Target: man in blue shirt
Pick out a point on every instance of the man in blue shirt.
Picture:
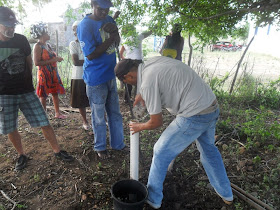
(98, 36)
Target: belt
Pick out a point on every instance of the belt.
(210, 109)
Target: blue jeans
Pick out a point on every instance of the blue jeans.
(104, 97)
(178, 136)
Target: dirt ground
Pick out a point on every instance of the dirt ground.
(48, 183)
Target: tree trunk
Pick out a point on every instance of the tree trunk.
(239, 64)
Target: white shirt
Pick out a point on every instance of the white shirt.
(132, 52)
(77, 71)
(169, 83)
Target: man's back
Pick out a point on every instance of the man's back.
(169, 83)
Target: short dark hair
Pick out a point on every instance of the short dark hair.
(124, 66)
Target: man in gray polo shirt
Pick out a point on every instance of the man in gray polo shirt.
(166, 82)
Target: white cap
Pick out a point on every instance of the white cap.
(76, 23)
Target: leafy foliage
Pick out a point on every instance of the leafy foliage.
(19, 6)
(206, 20)
(71, 14)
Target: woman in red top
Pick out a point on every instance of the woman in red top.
(45, 59)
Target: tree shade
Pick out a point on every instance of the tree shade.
(206, 20)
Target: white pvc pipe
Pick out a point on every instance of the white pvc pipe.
(134, 156)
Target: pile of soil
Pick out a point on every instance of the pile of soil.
(48, 183)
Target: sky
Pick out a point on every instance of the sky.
(50, 12)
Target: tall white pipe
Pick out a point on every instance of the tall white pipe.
(134, 156)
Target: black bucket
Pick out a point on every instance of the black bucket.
(129, 195)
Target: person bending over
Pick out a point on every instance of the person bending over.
(167, 82)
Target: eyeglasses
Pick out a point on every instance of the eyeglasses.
(102, 10)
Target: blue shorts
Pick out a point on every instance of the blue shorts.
(29, 105)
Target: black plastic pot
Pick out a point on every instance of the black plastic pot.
(129, 195)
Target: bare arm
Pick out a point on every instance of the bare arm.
(154, 122)
(139, 99)
(37, 57)
(147, 33)
(76, 61)
(122, 51)
(116, 15)
(114, 37)
(99, 50)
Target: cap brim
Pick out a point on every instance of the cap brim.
(10, 23)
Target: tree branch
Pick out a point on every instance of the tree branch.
(242, 10)
(9, 199)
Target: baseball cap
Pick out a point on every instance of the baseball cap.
(104, 4)
(7, 17)
(76, 23)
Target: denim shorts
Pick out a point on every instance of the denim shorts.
(28, 104)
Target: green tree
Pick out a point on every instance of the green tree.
(206, 20)
(19, 5)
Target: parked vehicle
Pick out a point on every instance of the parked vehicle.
(238, 47)
(222, 45)
(225, 46)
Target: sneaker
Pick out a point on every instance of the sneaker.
(126, 148)
(21, 162)
(154, 206)
(227, 202)
(63, 155)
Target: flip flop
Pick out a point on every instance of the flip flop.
(86, 127)
(61, 116)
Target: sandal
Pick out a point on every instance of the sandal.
(61, 116)
(86, 127)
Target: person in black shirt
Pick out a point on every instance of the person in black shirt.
(174, 42)
(17, 91)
